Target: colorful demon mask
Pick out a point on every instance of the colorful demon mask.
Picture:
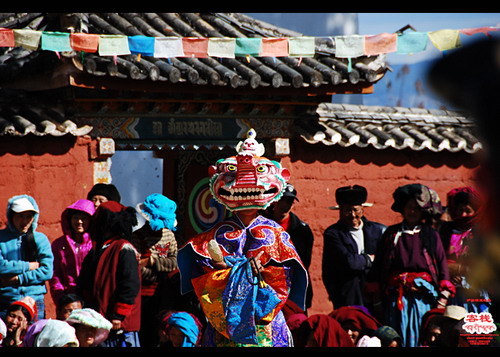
(247, 180)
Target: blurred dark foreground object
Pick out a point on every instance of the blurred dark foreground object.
(469, 79)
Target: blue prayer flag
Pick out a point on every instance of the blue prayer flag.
(142, 45)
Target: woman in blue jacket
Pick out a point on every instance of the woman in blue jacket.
(26, 259)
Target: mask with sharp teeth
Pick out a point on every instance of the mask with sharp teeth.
(247, 180)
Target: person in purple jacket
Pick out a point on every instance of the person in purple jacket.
(410, 267)
(71, 248)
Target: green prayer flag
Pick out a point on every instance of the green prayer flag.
(247, 46)
(55, 41)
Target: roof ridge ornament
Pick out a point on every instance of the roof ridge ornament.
(250, 145)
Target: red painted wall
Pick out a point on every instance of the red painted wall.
(58, 171)
(55, 171)
(318, 170)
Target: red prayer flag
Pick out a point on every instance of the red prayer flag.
(84, 42)
(473, 31)
(195, 47)
(7, 38)
(382, 43)
(274, 47)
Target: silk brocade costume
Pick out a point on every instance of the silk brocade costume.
(232, 297)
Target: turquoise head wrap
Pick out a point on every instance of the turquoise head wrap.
(160, 212)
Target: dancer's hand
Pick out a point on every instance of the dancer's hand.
(219, 265)
(256, 265)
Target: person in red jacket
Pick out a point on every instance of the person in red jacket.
(109, 281)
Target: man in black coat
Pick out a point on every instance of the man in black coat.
(349, 248)
(299, 231)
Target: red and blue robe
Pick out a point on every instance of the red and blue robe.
(240, 310)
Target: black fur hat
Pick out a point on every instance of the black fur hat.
(107, 190)
(354, 195)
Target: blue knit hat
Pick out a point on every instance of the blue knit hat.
(159, 211)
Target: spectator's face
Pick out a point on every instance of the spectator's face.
(22, 221)
(80, 222)
(282, 208)
(66, 310)
(433, 336)
(85, 335)
(353, 334)
(98, 200)
(14, 320)
(393, 343)
(412, 212)
(351, 215)
(461, 211)
(176, 336)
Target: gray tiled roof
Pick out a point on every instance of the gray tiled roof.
(39, 121)
(390, 127)
(254, 72)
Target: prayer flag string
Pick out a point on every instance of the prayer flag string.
(346, 46)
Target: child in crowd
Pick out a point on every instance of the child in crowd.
(91, 327)
(356, 321)
(180, 329)
(50, 333)
(66, 304)
(19, 315)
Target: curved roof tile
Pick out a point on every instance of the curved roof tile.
(39, 121)
(391, 127)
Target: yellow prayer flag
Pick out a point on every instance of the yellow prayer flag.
(26, 38)
(445, 40)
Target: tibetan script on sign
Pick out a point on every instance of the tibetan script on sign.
(204, 128)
